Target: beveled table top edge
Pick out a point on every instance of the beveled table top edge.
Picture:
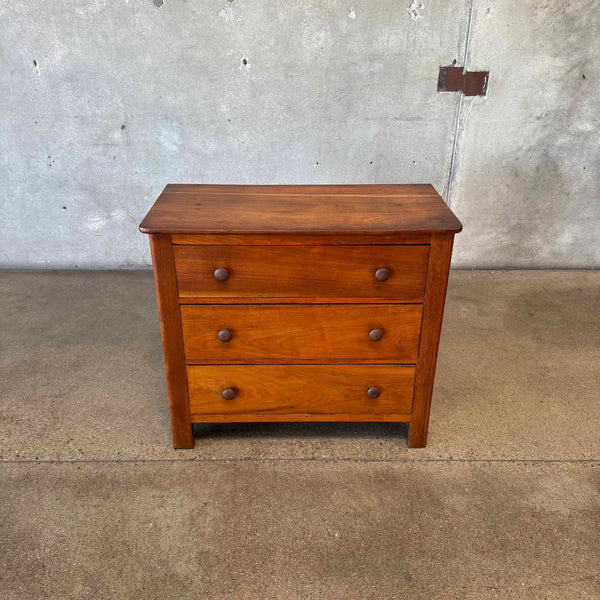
(300, 209)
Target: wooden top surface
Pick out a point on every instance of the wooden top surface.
(300, 209)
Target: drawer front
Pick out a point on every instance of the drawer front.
(300, 389)
(301, 271)
(338, 332)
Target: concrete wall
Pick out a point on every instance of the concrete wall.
(104, 102)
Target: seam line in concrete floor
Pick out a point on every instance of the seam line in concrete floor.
(317, 459)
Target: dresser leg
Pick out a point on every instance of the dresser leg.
(183, 437)
(170, 327)
(433, 311)
(417, 435)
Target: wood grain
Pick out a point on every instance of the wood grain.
(313, 300)
(301, 271)
(300, 209)
(300, 299)
(299, 239)
(307, 332)
(266, 417)
(289, 390)
(433, 311)
(170, 328)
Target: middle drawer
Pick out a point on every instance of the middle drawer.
(342, 333)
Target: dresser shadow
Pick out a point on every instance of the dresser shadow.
(301, 430)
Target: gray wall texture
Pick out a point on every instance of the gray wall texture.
(106, 101)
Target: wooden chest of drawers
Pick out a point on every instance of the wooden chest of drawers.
(300, 303)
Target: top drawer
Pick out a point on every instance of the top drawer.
(301, 271)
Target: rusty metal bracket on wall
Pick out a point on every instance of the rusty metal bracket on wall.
(470, 83)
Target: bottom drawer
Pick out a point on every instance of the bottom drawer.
(301, 392)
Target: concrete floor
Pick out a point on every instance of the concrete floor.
(503, 503)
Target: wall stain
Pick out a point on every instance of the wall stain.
(414, 10)
(226, 14)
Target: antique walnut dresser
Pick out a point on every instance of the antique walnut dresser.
(300, 303)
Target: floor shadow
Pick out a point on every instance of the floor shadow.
(301, 430)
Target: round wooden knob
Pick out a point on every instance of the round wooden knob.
(375, 335)
(373, 393)
(382, 274)
(228, 393)
(221, 274)
(225, 335)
